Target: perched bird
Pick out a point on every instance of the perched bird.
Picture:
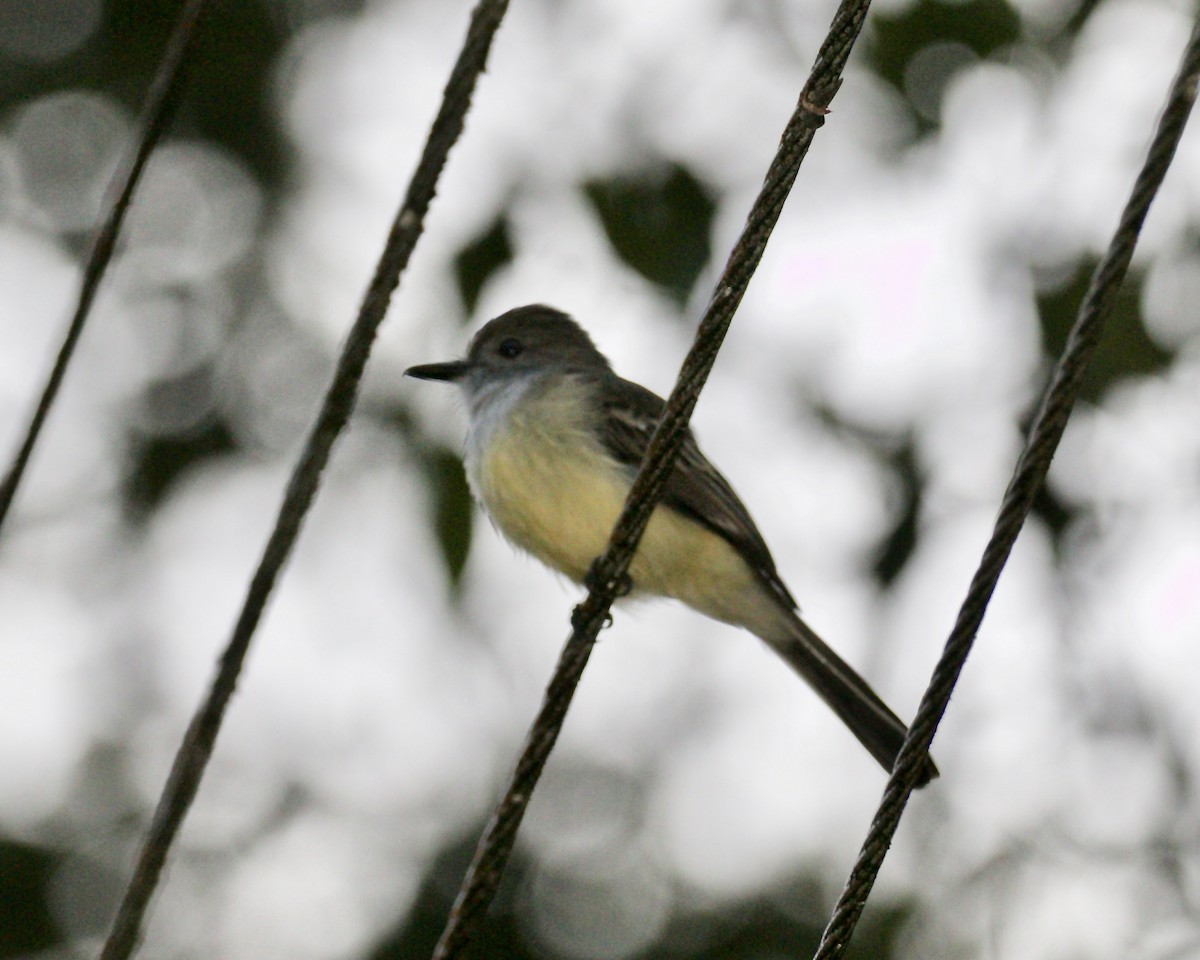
(555, 438)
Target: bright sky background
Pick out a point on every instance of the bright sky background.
(378, 716)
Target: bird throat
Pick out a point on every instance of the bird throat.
(543, 476)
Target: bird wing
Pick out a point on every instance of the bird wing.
(695, 487)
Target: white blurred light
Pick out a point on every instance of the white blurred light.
(318, 887)
(37, 283)
(179, 330)
(68, 145)
(606, 908)
(930, 70)
(967, 455)
(883, 306)
(184, 909)
(1169, 298)
(1101, 114)
(366, 733)
(196, 211)
(1060, 912)
(45, 712)
(768, 787)
(1008, 718)
(349, 669)
(1121, 794)
(1139, 447)
(1045, 17)
(581, 811)
(171, 337)
(269, 382)
(1141, 607)
(76, 460)
(357, 95)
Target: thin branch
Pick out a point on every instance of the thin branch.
(609, 572)
(197, 745)
(1028, 476)
(160, 106)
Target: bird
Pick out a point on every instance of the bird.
(554, 440)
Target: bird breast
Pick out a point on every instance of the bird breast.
(543, 476)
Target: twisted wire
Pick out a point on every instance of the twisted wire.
(1028, 476)
(161, 101)
(609, 572)
(197, 745)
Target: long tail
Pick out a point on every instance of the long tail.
(848, 694)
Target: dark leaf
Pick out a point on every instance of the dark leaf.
(480, 259)
(158, 461)
(902, 539)
(980, 26)
(453, 509)
(1125, 350)
(659, 224)
(26, 925)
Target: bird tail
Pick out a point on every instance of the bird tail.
(848, 694)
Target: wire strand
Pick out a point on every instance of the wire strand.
(161, 101)
(197, 745)
(1028, 476)
(610, 571)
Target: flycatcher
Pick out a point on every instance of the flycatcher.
(554, 441)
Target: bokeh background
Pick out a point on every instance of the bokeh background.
(868, 406)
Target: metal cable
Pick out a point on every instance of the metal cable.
(197, 745)
(160, 105)
(610, 571)
(1027, 479)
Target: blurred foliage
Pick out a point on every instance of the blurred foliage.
(1055, 514)
(659, 224)
(901, 457)
(454, 508)
(902, 540)
(894, 39)
(157, 461)
(1125, 350)
(479, 260)
(416, 935)
(747, 930)
(26, 924)
(982, 25)
(226, 99)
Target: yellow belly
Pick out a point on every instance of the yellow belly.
(556, 494)
(556, 497)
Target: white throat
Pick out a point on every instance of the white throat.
(489, 407)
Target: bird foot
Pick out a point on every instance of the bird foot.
(595, 580)
(579, 616)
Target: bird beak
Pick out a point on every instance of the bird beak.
(451, 371)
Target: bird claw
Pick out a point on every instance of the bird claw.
(621, 586)
(597, 581)
(579, 617)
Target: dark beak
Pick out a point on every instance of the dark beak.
(454, 370)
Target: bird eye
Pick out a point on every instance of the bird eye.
(510, 348)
